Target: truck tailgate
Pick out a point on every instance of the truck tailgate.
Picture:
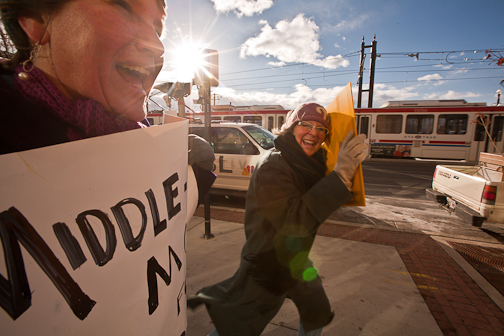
(460, 185)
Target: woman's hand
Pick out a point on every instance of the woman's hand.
(351, 154)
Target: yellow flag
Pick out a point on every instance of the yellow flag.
(341, 111)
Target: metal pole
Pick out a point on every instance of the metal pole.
(371, 73)
(181, 107)
(207, 112)
(361, 69)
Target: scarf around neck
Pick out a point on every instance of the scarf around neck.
(86, 118)
(312, 169)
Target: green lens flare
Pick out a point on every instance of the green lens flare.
(310, 274)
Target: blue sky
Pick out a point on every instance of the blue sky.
(288, 52)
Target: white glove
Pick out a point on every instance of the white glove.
(351, 154)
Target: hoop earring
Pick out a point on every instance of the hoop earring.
(28, 64)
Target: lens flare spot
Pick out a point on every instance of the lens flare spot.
(293, 243)
(310, 274)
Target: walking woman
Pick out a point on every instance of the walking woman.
(289, 196)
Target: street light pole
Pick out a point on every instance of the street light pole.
(206, 78)
(207, 113)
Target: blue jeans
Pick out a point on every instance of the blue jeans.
(301, 332)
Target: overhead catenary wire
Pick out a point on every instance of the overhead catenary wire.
(302, 77)
(381, 82)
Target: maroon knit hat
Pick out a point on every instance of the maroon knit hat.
(308, 112)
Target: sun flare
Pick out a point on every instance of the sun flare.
(186, 59)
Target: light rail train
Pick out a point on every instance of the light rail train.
(426, 129)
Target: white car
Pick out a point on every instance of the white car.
(237, 148)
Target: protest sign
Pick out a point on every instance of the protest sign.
(93, 235)
(342, 115)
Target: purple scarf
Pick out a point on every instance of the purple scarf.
(86, 118)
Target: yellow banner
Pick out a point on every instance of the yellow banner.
(342, 115)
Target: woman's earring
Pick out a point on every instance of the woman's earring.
(28, 64)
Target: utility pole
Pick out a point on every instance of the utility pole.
(371, 72)
(205, 80)
(207, 111)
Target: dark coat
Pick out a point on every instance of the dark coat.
(24, 124)
(283, 214)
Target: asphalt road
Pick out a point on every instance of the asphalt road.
(395, 197)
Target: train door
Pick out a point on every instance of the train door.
(363, 122)
(495, 143)
(270, 122)
(488, 134)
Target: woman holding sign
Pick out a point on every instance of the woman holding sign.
(78, 69)
(289, 196)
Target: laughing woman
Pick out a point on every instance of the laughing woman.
(78, 69)
(289, 197)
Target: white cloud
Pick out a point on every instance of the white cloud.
(452, 95)
(303, 94)
(352, 24)
(383, 93)
(291, 42)
(242, 7)
(430, 77)
(459, 71)
(277, 64)
(443, 66)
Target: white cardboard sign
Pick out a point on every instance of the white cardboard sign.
(93, 236)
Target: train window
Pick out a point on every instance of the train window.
(270, 123)
(235, 119)
(281, 121)
(253, 120)
(452, 124)
(389, 124)
(215, 119)
(498, 126)
(419, 124)
(479, 133)
(364, 125)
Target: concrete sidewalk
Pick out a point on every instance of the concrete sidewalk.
(379, 282)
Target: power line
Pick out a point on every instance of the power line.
(388, 82)
(312, 75)
(381, 55)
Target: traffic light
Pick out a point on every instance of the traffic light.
(209, 71)
(175, 89)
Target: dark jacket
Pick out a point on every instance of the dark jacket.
(283, 212)
(23, 124)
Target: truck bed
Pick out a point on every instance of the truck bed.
(463, 184)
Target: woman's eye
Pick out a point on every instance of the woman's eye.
(124, 4)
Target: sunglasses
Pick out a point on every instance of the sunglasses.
(309, 127)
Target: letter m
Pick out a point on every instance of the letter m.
(15, 296)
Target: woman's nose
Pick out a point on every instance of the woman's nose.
(313, 131)
(151, 43)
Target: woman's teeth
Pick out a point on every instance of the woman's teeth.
(134, 75)
(135, 68)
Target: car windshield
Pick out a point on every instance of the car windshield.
(262, 136)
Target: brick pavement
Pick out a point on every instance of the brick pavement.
(457, 303)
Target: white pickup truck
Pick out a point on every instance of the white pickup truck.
(475, 194)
